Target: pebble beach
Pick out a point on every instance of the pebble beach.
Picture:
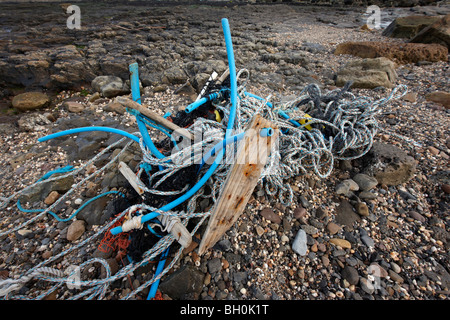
(366, 232)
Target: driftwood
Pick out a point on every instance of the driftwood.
(251, 157)
(154, 116)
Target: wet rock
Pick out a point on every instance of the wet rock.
(350, 274)
(362, 209)
(346, 186)
(75, 230)
(300, 243)
(341, 243)
(109, 86)
(30, 101)
(345, 214)
(439, 97)
(389, 164)
(183, 282)
(33, 122)
(402, 53)
(270, 215)
(438, 32)
(368, 73)
(409, 26)
(365, 182)
(333, 228)
(299, 212)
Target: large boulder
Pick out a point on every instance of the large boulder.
(438, 32)
(30, 101)
(402, 53)
(389, 164)
(63, 67)
(440, 97)
(110, 86)
(28, 69)
(174, 75)
(368, 73)
(40, 191)
(70, 68)
(409, 26)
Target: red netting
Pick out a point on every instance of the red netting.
(111, 243)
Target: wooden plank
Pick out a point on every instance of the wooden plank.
(154, 116)
(251, 157)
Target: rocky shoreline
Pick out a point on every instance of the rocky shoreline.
(377, 228)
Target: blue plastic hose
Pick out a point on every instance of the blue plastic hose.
(266, 132)
(220, 146)
(59, 170)
(87, 129)
(134, 82)
(232, 117)
(136, 95)
(147, 139)
(181, 199)
(159, 269)
(200, 102)
(195, 105)
(19, 206)
(233, 80)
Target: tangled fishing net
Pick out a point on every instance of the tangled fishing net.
(316, 129)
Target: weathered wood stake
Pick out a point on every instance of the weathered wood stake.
(251, 157)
